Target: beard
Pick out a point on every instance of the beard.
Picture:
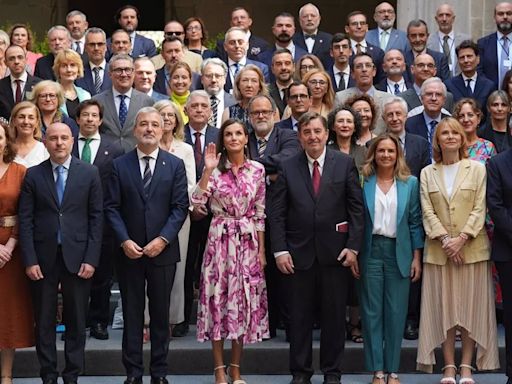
(283, 38)
(386, 24)
(505, 27)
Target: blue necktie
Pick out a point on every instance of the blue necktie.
(431, 132)
(123, 111)
(60, 186)
(397, 89)
(146, 179)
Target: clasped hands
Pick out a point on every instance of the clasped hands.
(135, 251)
(452, 247)
(34, 272)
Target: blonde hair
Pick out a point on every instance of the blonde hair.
(369, 168)
(261, 81)
(19, 107)
(454, 124)
(68, 55)
(328, 98)
(38, 88)
(179, 130)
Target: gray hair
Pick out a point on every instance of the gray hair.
(59, 28)
(311, 5)
(254, 98)
(214, 61)
(95, 30)
(431, 81)
(143, 58)
(148, 110)
(76, 13)
(198, 93)
(233, 29)
(395, 100)
(119, 56)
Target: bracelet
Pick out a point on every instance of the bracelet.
(443, 238)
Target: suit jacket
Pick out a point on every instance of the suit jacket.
(483, 88)
(414, 101)
(417, 125)
(135, 216)
(264, 68)
(44, 67)
(257, 45)
(265, 57)
(397, 39)
(379, 98)
(464, 211)
(409, 230)
(285, 124)
(377, 55)
(157, 96)
(305, 225)
(433, 44)
(499, 204)
(141, 46)
(87, 82)
(79, 217)
(443, 70)
(210, 137)
(7, 98)
(487, 46)
(351, 81)
(274, 94)
(383, 85)
(486, 132)
(111, 125)
(321, 47)
(417, 153)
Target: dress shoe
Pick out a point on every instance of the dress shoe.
(133, 380)
(71, 382)
(49, 381)
(180, 330)
(331, 379)
(509, 381)
(99, 331)
(411, 331)
(159, 380)
(300, 380)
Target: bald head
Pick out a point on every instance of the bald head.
(445, 17)
(59, 142)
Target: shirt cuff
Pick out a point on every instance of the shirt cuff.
(280, 253)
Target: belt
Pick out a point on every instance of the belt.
(8, 221)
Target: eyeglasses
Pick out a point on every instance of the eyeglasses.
(119, 71)
(364, 65)
(44, 96)
(358, 23)
(174, 33)
(307, 67)
(93, 45)
(194, 28)
(423, 66)
(263, 113)
(298, 96)
(314, 83)
(210, 76)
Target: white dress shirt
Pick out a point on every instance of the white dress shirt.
(94, 145)
(473, 82)
(152, 161)
(384, 222)
(202, 137)
(310, 42)
(117, 100)
(23, 78)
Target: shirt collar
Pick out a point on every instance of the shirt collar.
(314, 33)
(64, 164)
(127, 94)
(266, 137)
(451, 35)
(392, 83)
(362, 42)
(101, 66)
(321, 158)
(474, 77)
(346, 71)
(384, 30)
(428, 119)
(96, 136)
(202, 131)
(290, 46)
(23, 77)
(242, 61)
(153, 155)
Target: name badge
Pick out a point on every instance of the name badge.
(507, 64)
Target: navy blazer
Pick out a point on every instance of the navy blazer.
(285, 124)
(274, 94)
(417, 125)
(266, 57)
(44, 67)
(351, 81)
(499, 204)
(417, 153)
(87, 82)
(383, 84)
(443, 70)
(79, 217)
(377, 55)
(7, 98)
(257, 45)
(210, 137)
(487, 132)
(264, 68)
(304, 224)
(135, 216)
(141, 46)
(321, 48)
(483, 88)
(487, 46)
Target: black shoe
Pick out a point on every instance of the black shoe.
(49, 381)
(99, 331)
(331, 379)
(133, 380)
(159, 380)
(180, 330)
(299, 379)
(71, 382)
(411, 331)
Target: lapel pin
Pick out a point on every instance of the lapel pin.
(321, 41)
(106, 153)
(163, 162)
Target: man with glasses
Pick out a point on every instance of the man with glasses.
(340, 70)
(385, 36)
(58, 40)
(363, 72)
(356, 27)
(121, 102)
(298, 97)
(95, 79)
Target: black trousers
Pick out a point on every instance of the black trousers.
(332, 282)
(75, 295)
(505, 274)
(133, 277)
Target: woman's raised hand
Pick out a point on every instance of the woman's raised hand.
(211, 157)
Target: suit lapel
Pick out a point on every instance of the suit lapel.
(72, 175)
(438, 178)
(253, 145)
(271, 142)
(101, 154)
(369, 193)
(134, 107)
(110, 107)
(160, 167)
(135, 173)
(462, 174)
(306, 175)
(401, 196)
(50, 181)
(327, 172)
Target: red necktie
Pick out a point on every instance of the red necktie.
(316, 178)
(198, 151)
(18, 91)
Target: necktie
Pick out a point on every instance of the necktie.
(60, 183)
(146, 179)
(468, 87)
(18, 90)
(97, 80)
(312, 36)
(446, 49)
(341, 82)
(214, 103)
(237, 68)
(77, 48)
(384, 38)
(262, 145)
(397, 89)
(431, 131)
(504, 57)
(86, 150)
(198, 151)
(123, 110)
(358, 48)
(316, 177)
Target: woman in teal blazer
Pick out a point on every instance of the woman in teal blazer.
(390, 257)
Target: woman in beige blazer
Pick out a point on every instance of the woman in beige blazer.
(457, 286)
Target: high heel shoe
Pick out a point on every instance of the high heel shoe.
(466, 380)
(6, 379)
(223, 367)
(448, 379)
(237, 381)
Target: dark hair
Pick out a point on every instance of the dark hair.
(467, 44)
(363, 97)
(30, 36)
(331, 119)
(337, 37)
(203, 29)
(220, 143)
(308, 117)
(123, 8)
(285, 14)
(295, 83)
(171, 39)
(354, 13)
(417, 23)
(280, 51)
(363, 54)
(89, 103)
(261, 96)
(506, 80)
(10, 149)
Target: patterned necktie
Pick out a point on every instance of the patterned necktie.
(262, 145)
(237, 68)
(446, 49)
(384, 38)
(468, 87)
(86, 150)
(397, 89)
(77, 48)
(341, 82)
(358, 48)
(97, 80)
(123, 110)
(146, 179)
(214, 103)
(198, 151)
(431, 132)
(18, 90)
(316, 177)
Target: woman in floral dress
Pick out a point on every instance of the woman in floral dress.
(233, 296)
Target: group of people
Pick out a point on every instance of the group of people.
(368, 169)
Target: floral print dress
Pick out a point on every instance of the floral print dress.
(233, 294)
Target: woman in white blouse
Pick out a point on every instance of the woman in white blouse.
(25, 126)
(390, 257)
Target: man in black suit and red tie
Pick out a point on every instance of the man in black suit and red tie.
(97, 149)
(316, 222)
(61, 222)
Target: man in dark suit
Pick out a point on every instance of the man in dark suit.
(198, 134)
(469, 83)
(146, 207)
(61, 217)
(310, 38)
(298, 97)
(145, 77)
(120, 43)
(121, 103)
(433, 96)
(236, 45)
(339, 72)
(396, 80)
(58, 40)
(14, 87)
(417, 33)
(356, 27)
(76, 22)
(282, 69)
(270, 146)
(128, 19)
(94, 148)
(317, 224)
(499, 205)
(240, 18)
(490, 66)
(96, 78)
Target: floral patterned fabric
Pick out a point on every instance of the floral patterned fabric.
(233, 294)
(481, 151)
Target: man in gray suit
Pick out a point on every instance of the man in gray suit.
(363, 72)
(385, 36)
(121, 103)
(446, 39)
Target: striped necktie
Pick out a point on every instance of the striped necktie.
(214, 103)
(146, 179)
(98, 82)
(262, 145)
